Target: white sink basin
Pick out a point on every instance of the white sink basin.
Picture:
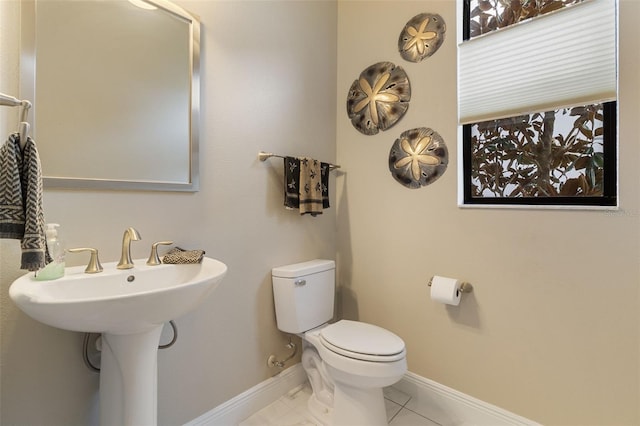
(117, 301)
(129, 307)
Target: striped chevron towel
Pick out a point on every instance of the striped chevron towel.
(21, 215)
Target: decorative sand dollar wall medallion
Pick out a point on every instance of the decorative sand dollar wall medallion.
(418, 157)
(421, 37)
(379, 98)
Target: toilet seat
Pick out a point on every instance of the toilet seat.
(362, 341)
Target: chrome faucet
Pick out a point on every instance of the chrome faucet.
(125, 260)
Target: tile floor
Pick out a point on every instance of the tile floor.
(291, 410)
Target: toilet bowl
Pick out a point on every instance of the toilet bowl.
(347, 362)
(360, 359)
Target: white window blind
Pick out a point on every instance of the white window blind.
(557, 60)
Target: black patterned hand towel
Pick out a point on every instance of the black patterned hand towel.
(291, 183)
(324, 180)
(21, 214)
(178, 256)
(310, 187)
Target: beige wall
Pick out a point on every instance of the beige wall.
(268, 83)
(551, 331)
(10, 63)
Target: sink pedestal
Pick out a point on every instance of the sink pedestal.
(129, 378)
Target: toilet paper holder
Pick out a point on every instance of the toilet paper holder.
(465, 287)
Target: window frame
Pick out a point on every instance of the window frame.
(609, 198)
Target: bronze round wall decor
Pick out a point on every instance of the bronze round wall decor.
(378, 98)
(418, 157)
(421, 37)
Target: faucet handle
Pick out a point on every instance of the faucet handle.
(94, 265)
(154, 259)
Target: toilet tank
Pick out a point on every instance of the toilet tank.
(303, 294)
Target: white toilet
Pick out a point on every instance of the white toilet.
(347, 362)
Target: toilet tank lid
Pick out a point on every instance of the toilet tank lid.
(303, 268)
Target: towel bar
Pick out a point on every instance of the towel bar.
(23, 129)
(263, 156)
(9, 100)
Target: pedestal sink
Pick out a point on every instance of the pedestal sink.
(129, 307)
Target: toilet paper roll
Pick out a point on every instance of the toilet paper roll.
(445, 290)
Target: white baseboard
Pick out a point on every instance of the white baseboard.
(428, 398)
(244, 405)
(450, 407)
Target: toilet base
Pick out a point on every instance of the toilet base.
(320, 411)
(358, 406)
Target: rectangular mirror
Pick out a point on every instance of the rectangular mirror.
(116, 98)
